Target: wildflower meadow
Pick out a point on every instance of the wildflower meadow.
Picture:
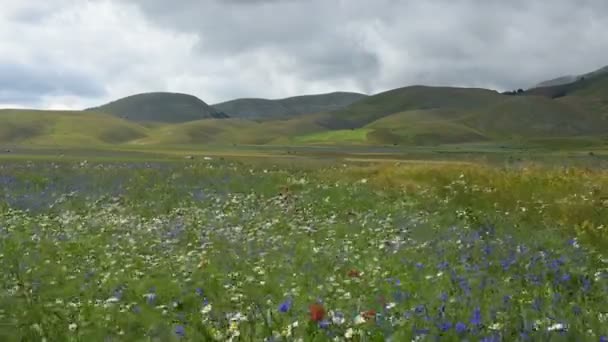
(217, 250)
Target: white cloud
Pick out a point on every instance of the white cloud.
(76, 53)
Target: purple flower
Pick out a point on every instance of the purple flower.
(180, 331)
(476, 318)
(419, 309)
(460, 327)
(422, 331)
(445, 326)
(199, 291)
(586, 284)
(603, 338)
(285, 306)
(324, 324)
(419, 265)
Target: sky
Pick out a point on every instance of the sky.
(74, 54)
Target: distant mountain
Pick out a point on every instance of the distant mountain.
(557, 81)
(569, 85)
(288, 107)
(160, 107)
(571, 78)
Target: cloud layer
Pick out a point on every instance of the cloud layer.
(74, 54)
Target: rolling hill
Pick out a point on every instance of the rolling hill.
(59, 128)
(557, 115)
(160, 107)
(409, 98)
(442, 115)
(284, 108)
(591, 84)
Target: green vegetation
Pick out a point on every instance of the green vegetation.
(574, 112)
(345, 136)
(265, 109)
(219, 250)
(65, 128)
(160, 107)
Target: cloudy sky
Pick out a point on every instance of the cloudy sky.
(79, 53)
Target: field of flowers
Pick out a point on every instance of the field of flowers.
(226, 251)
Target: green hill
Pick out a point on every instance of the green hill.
(57, 128)
(561, 114)
(593, 84)
(409, 98)
(441, 115)
(230, 131)
(284, 108)
(160, 107)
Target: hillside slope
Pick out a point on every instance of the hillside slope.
(160, 107)
(57, 128)
(284, 108)
(409, 98)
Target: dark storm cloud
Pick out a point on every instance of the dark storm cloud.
(25, 83)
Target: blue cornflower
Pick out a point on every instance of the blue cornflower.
(422, 331)
(420, 309)
(491, 338)
(476, 318)
(603, 338)
(324, 324)
(444, 297)
(445, 326)
(460, 327)
(199, 291)
(285, 306)
(419, 265)
(586, 284)
(180, 331)
(487, 249)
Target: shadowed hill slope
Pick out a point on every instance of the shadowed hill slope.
(260, 109)
(160, 107)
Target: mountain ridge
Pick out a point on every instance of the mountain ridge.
(260, 108)
(413, 115)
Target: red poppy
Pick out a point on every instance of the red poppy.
(369, 314)
(317, 312)
(354, 273)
